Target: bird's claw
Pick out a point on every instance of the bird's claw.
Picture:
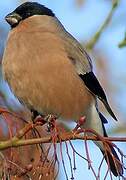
(50, 119)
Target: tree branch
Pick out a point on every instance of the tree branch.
(16, 141)
(123, 43)
(90, 45)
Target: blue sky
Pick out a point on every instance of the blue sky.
(82, 23)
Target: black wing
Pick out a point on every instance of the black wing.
(94, 86)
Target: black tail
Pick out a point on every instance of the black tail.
(106, 104)
(111, 156)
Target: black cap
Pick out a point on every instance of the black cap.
(26, 10)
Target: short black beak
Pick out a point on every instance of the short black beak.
(13, 19)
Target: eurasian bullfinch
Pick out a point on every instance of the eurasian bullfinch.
(50, 72)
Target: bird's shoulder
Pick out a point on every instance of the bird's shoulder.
(75, 51)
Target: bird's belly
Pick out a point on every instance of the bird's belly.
(64, 95)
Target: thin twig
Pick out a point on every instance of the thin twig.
(90, 45)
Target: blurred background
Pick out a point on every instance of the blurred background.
(83, 18)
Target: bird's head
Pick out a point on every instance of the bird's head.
(27, 10)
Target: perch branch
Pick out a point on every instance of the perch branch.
(17, 140)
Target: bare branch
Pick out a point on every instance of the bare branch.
(16, 141)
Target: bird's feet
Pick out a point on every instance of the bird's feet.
(37, 117)
(50, 119)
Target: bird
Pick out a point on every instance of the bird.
(50, 72)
